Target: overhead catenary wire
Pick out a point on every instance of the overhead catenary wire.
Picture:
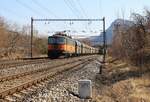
(29, 8)
(82, 9)
(73, 5)
(45, 8)
(13, 12)
(71, 9)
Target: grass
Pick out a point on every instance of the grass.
(141, 87)
(128, 86)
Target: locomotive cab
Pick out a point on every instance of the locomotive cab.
(56, 46)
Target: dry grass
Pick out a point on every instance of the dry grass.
(117, 84)
(141, 88)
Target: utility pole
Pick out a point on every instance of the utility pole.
(31, 36)
(104, 41)
(104, 47)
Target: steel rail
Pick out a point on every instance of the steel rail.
(40, 79)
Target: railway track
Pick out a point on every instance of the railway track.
(14, 83)
(17, 75)
(26, 61)
(25, 68)
(14, 63)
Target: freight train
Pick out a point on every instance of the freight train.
(62, 45)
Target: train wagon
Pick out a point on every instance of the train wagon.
(86, 49)
(78, 48)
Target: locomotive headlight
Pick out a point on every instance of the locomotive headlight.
(61, 47)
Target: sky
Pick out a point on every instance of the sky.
(21, 11)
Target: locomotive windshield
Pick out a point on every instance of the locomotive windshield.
(60, 40)
(56, 40)
(51, 40)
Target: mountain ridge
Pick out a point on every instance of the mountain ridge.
(97, 40)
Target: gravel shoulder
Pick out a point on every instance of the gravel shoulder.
(56, 89)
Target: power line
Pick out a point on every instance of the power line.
(72, 10)
(81, 8)
(28, 7)
(82, 12)
(73, 5)
(44, 8)
(13, 12)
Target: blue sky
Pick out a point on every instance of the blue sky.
(20, 12)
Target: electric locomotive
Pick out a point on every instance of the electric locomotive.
(62, 45)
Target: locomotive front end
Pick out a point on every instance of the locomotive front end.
(56, 46)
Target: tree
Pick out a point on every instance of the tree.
(132, 43)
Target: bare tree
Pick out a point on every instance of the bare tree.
(132, 43)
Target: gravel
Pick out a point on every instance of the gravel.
(30, 67)
(55, 90)
(18, 81)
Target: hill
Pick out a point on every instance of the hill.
(96, 40)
